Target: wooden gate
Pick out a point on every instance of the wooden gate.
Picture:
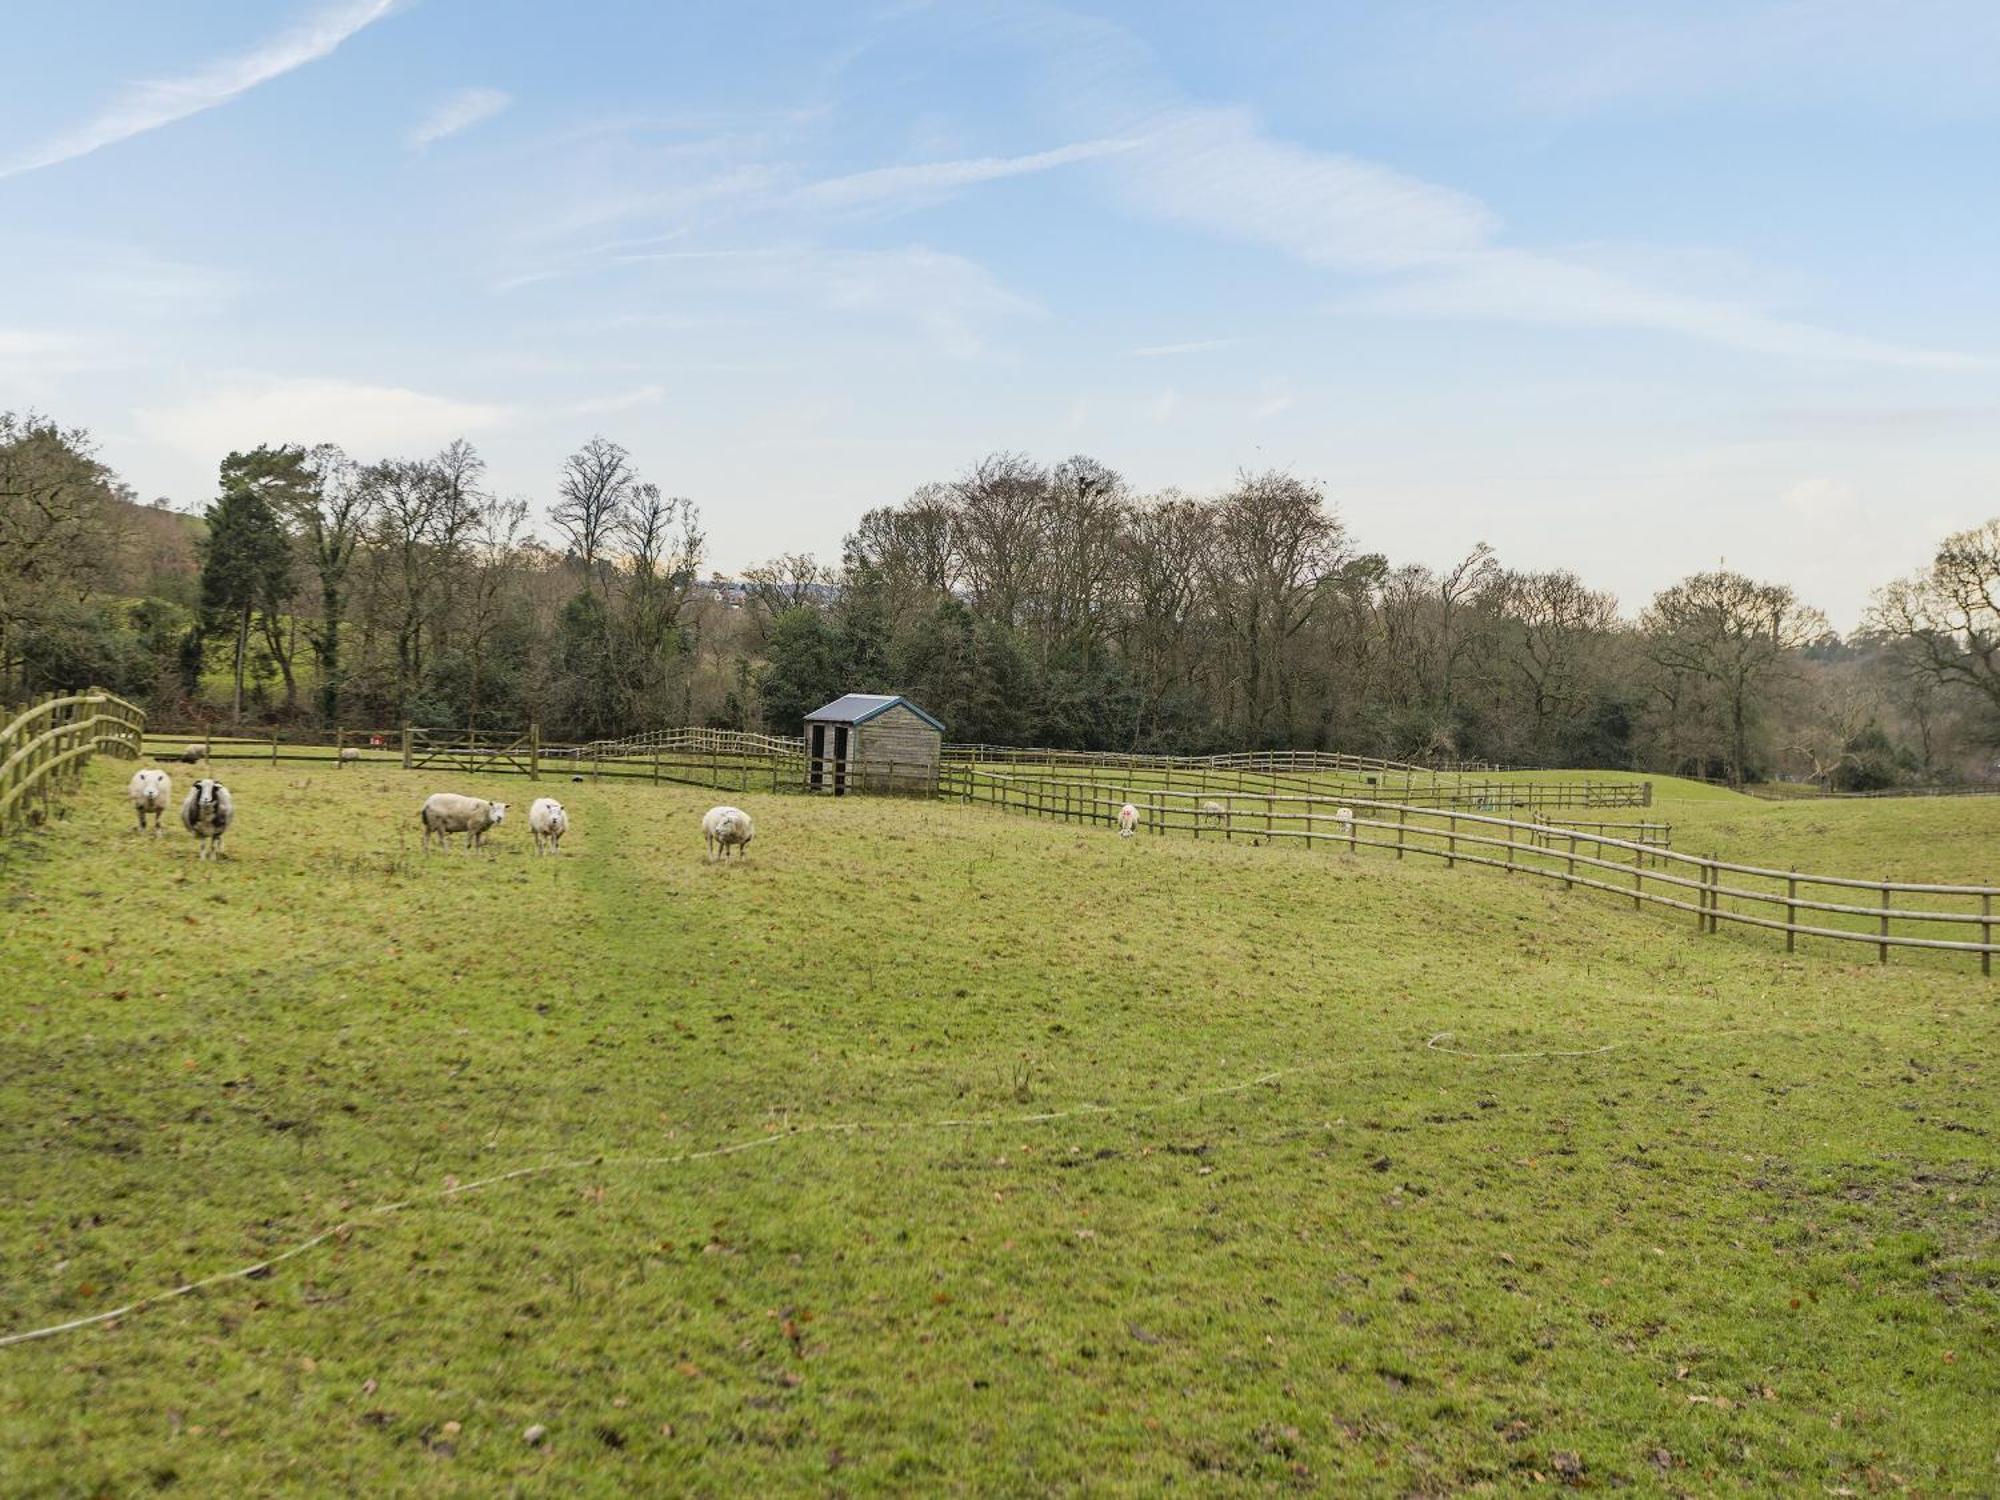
(504, 752)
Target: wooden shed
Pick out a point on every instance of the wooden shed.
(872, 742)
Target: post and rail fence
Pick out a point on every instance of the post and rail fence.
(45, 746)
(1643, 868)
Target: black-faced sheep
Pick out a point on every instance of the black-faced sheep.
(207, 814)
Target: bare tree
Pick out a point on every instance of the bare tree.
(786, 582)
(1734, 633)
(1947, 617)
(596, 490)
(1556, 624)
(997, 515)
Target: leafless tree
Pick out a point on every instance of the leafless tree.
(1733, 633)
(596, 490)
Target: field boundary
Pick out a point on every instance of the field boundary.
(45, 747)
(1644, 870)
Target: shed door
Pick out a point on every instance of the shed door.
(816, 759)
(840, 733)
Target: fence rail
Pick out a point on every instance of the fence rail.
(44, 748)
(1646, 873)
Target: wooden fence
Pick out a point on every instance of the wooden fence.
(45, 747)
(1646, 872)
(726, 759)
(1315, 773)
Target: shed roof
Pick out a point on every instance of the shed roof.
(859, 708)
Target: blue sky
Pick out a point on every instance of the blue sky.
(1628, 289)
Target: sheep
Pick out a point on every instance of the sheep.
(726, 828)
(548, 823)
(1128, 819)
(1343, 818)
(446, 813)
(150, 792)
(1211, 812)
(207, 814)
(194, 755)
(348, 756)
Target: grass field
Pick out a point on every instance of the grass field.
(1160, 1175)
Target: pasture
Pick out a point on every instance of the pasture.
(937, 1149)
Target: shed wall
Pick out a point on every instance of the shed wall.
(897, 751)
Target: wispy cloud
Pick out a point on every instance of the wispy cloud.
(934, 179)
(620, 401)
(1192, 346)
(461, 111)
(362, 417)
(148, 106)
(1427, 248)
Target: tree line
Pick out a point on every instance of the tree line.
(1021, 602)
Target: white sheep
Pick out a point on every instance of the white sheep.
(446, 813)
(348, 756)
(150, 792)
(207, 814)
(1128, 819)
(1212, 812)
(726, 828)
(1343, 818)
(548, 823)
(194, 755)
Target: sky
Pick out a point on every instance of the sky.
(1633, 289)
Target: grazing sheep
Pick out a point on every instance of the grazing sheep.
(446, 813)
(1128, 819)
(150, 792)
(1343, 814)
(207, 814)
(1212, 812)
(347, 757)
(726, 828)
(194, 755)
(548, 822)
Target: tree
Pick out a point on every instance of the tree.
(592, 497)
(1947, 617)
(331, 521)
(285, 480)
(804, 666)
(57, 528)
(1274, 545)
(246, 562)
(1553, 623)
(1733, 633)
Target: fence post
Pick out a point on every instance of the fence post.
(1882, 949)
(1646, 794)
(534, 751)
(1986, 933)
(406, 747)
(274, 747)
(1638, 875)
(1402, 817)
(1792, 911)
(1569, 872)
(1451, 841)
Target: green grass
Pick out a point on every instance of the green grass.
(1748, 1249)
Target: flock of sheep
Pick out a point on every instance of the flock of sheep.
(208, 811)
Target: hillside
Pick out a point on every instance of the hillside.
(1053, 1161)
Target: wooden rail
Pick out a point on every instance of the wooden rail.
(1711, 890)
(46, 746)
